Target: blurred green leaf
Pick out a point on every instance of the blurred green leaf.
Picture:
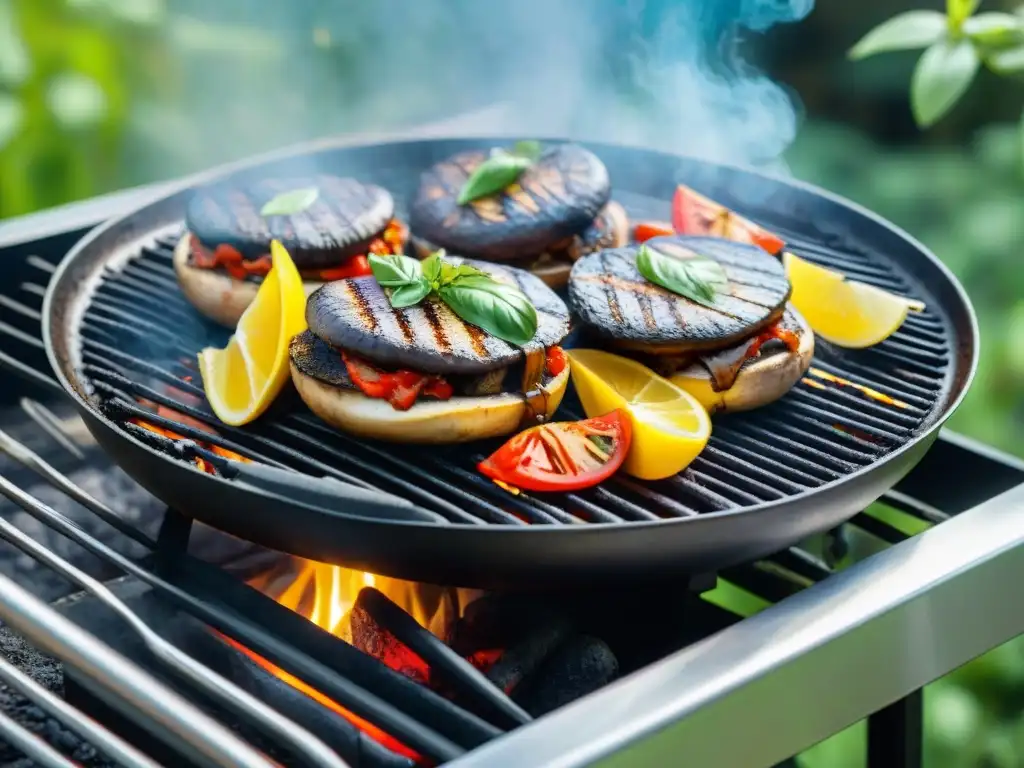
(910, 30)
(959, 10)
(943, 73)
(994, 29)
(1007, 62)
(11, 116)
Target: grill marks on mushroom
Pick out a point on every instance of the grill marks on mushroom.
(612, 297)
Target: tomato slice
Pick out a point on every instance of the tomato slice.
(694, 214)
(562, 456)
(645, 230)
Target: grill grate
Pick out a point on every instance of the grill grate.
(139, 338)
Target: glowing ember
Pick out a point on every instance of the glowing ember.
(873, 394)
(181, 418)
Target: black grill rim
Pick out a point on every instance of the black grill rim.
(954, 302)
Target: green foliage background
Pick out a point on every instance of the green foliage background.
(98, 95)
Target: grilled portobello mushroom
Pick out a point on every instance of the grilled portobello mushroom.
(344, 219)
(355, 314)
(557, 198)
(616, 302)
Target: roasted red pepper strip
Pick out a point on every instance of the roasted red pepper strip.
(563, 456)
(392, 240)
(400, 388)
(694, 214)
(555, 361)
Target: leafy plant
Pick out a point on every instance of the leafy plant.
(956, 45)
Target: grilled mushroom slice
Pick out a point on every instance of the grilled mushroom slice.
(613, 299)
(549, 211)
(226, 252)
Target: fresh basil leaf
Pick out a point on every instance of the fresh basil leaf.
(410, 295)
(291, 202)
(941, 77)
(907, 31)
(432, 267)
(1008, 62)
(395, 270)
(699, 279)
(493, 175)
(502, 310)
(529, 149)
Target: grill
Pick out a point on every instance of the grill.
(133, 338)
(140, 681)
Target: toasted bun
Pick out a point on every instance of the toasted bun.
(216, 294)
(458, 420)
(759, 382)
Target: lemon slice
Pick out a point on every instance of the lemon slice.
(670, 427)
(243, 379)
(844, 312)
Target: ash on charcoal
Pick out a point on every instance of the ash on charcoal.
(47, 672)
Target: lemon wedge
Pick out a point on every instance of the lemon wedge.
(844, 312)
(243, 379)
(670, 427)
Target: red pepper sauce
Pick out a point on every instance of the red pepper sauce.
(400, 388)
(230, 259)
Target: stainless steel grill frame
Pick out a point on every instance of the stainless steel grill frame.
(930, 603)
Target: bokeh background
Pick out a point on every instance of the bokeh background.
(99, 95)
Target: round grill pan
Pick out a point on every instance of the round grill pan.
(121, 338)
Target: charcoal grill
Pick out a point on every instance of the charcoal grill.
(121, 331)
(707, 687)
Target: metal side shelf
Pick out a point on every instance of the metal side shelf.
(877, 632)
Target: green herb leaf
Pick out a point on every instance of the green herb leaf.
(290, 203)
(432, 267)
(907, 31)
(957, 12)
(501, 310)
(410, 295)
(493, 175)
(529, 149)
(995, 30)
(699, 279)
(394, 271)
(943, 73)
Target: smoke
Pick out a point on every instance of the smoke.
(668, 74)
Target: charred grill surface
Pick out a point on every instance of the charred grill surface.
(345, 218)
(614, 300)
(556, 198)
(355, 314)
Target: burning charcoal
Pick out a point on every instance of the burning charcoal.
(496, 621)
(374, 639)
(578, 667)
(524, 658)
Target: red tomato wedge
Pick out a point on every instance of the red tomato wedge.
(694, 214)
(563, 456)
(645, 230)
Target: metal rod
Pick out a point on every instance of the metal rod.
(41, 264)
(30, 745)
(49, 423)
(112, 746)
(357, 700)
(895, 734)
(124, 686)
(226, 693)
(29, 373)
(28, 458)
